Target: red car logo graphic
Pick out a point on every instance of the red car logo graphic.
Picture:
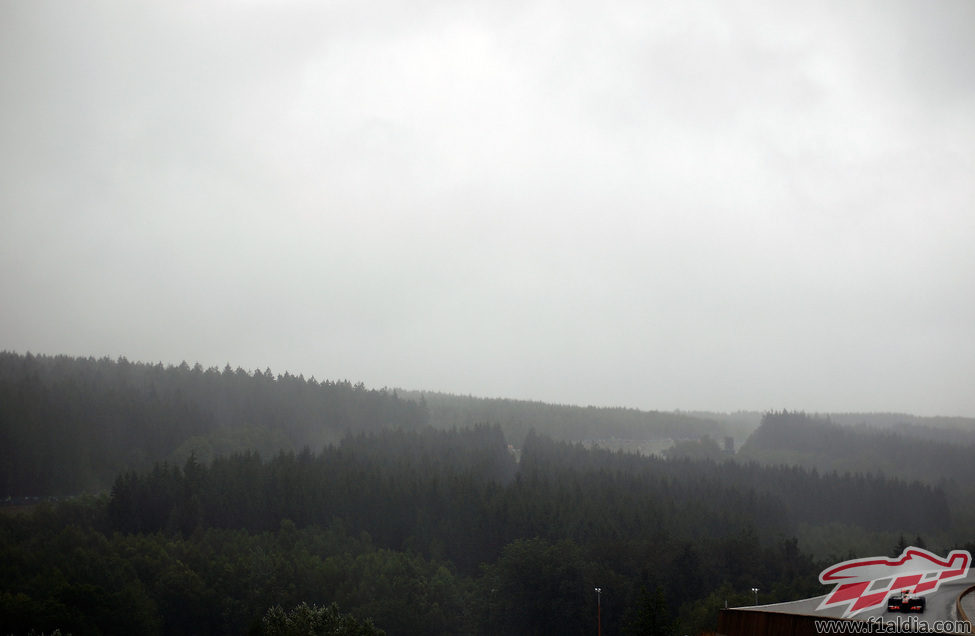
(866, 583)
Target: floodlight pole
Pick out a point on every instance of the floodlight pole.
(599, 611)
(755, 592)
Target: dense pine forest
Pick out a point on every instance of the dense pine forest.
(70, 425)
(230, 502)
(909, 451)
(572, 423)
(933, 451)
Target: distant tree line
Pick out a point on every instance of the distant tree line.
(952, 430)
(70, 425)
(798, 439)
(570, 423)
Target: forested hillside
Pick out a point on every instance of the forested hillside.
(395, 485)
(575, 423)
(934, 451)
(819, 442)
(434, 532)
(233, 502)
(953, 430)
(70, 425)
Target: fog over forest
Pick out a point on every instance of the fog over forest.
(436, 318)
(713, 205)
(145, 498)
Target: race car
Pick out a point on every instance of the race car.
(904, 602)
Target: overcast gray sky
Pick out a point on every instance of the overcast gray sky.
(696, 205)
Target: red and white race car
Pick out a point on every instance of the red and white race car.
(904, 602)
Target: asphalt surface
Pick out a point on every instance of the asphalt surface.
(968, 604)
(941, 605)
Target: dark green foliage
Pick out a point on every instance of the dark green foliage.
(538, 587)
(312, 620)
(426, 531)
(651, 617)
(704, 448)
(215, 582)
(452, 535)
